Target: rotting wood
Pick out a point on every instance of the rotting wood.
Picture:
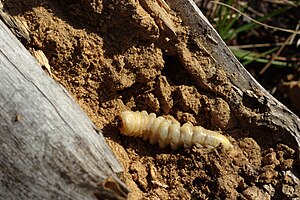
(18, 28)
(272, 121)
(49, 148)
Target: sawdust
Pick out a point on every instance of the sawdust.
(115, 55)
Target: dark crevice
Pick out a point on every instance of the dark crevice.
(175, 72)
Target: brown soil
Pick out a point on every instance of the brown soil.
(113, 56)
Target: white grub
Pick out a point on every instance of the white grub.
(164, 132)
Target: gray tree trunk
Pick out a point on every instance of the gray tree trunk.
(49, 148)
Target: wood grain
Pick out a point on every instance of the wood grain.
(49, 148)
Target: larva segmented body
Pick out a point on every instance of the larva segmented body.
(165, 132)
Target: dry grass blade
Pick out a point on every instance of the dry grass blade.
(282, 2)
(274, 56)
(257, 22)
(289, 40)
(294, 35)
(246, 46)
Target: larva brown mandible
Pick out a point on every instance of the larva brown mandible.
(165, 132)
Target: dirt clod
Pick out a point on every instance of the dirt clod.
(252, 193)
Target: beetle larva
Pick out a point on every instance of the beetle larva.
(165, 132)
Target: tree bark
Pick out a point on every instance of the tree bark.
(49, 148)
(255, 108)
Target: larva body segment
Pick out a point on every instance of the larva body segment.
(174, 136)
(164, 132)
(186, 135)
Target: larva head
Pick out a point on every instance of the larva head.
(126, 122)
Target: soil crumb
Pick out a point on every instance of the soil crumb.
(117, 55)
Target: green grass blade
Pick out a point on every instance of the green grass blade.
(247, 57)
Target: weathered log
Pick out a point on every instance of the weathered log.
(255, 107)
(49, 148)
